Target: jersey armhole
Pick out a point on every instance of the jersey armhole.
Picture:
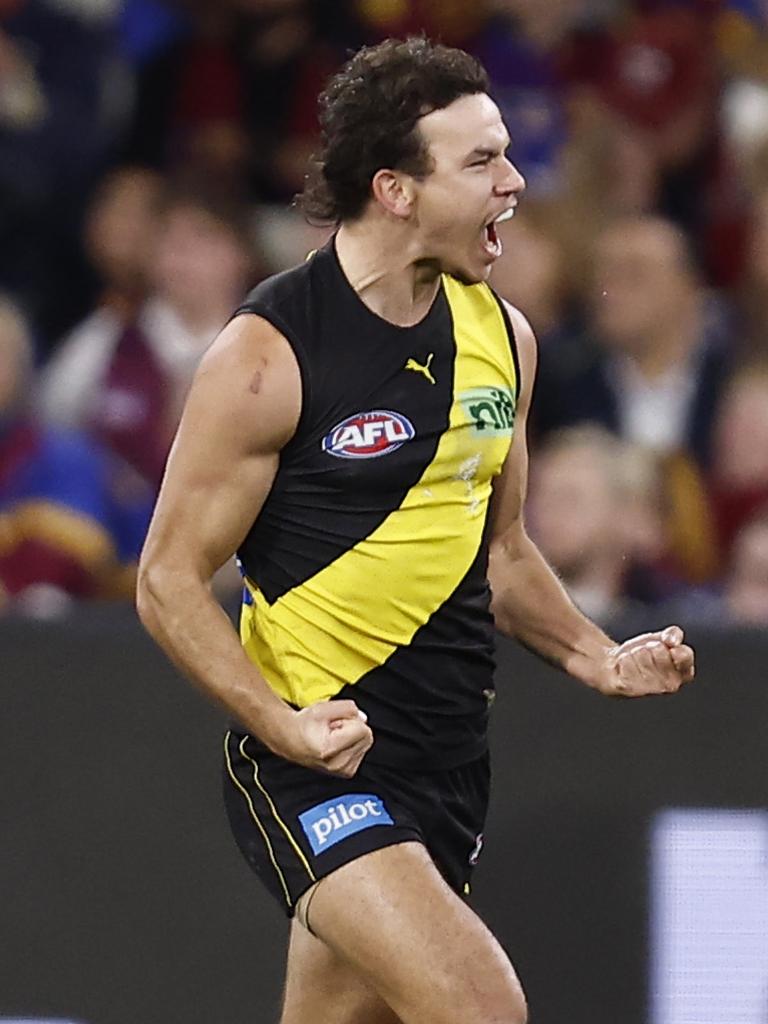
(274, 318)
(511, 337)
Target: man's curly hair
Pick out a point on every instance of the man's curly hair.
(369, 116)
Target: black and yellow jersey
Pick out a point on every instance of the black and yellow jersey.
(365, 570)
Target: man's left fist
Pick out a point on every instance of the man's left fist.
(647, 664)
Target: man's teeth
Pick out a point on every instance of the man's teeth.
(507, 215)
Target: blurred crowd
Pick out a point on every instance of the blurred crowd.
(149, 153)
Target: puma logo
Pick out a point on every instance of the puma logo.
(423, 370)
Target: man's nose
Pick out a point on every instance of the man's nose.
(511, 181)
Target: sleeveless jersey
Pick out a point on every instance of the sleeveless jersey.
(365, 571)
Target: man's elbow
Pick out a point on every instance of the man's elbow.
(165, 587)
(144, 598)
(152, 590)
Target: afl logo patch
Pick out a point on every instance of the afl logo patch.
(367, 435)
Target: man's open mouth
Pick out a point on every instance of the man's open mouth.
(492, 241)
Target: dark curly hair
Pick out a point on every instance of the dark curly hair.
(369, 116)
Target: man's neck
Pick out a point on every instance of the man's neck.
(382, 263)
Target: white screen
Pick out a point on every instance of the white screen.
(709, 917)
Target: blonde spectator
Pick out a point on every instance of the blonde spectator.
(595, 512)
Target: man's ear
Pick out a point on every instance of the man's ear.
(395, 191)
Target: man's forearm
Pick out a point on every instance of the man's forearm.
(195, 633)
(531, 604)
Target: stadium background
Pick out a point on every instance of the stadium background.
(148, 156)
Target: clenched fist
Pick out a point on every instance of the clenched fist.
(331, 736)
(648, 664)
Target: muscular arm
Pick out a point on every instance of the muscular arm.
(531, 604)
(243, 407)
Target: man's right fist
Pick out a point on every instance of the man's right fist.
(330, 736)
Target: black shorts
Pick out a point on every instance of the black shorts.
(295, 825)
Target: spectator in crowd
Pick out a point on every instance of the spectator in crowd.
(146, 26)
(72, 519)
(232, 100)
(741, 29)
(454, 22)
(644, 127)
(653, 73)
(189, 116)
(746, 585)
(741, 597)
(651, 368)
(531, 274)
(653, 360)
(754, 291)
(742, 37)
(606, 544)
(523, 46)
(127, 385)
(284, 238)
(612, 108)
(294, 46)
(59, 116)
(118, 238)
(739, 477)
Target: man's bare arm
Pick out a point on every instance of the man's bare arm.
(531, 604)
(242, 409)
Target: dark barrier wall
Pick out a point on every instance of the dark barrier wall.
(124, 901)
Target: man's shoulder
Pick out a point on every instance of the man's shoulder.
(279, 289)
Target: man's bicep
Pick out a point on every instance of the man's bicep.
(205, 510)
(242, 409)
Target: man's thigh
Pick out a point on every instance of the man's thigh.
(390, 916)
(321, 988)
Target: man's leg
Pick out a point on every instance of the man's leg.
(390, 917)
(321, 988)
